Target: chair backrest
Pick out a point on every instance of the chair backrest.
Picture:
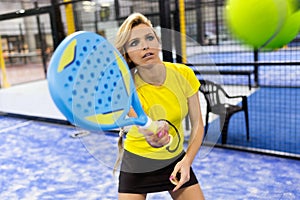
(211, 93)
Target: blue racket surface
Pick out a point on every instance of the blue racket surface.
(90, 83)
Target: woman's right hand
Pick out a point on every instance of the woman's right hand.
(160, 138)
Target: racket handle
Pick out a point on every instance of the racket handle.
(150, 125)
(153, 127)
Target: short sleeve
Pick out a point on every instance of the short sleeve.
(187, 79)
(193, 82)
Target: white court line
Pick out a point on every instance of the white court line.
(15, 126)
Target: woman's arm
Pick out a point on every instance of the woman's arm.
(195, 141)
(197, 131)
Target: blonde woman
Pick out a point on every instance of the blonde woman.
(155, 162)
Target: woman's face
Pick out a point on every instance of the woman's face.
(143, 47)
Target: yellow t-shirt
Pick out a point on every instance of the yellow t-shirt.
(168, 101)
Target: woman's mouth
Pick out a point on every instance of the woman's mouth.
(147, 55)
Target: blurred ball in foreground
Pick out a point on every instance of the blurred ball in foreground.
(265, 24)
(290, 29)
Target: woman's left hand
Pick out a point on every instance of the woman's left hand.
(180, 174)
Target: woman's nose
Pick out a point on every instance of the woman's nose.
(145, 45)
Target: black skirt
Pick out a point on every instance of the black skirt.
(154, 181)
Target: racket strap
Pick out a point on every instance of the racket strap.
(177, 133)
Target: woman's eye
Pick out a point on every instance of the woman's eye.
(133, 43)
(150, 37)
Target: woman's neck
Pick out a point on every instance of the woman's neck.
(153, 74)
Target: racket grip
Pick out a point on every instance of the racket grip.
(150, 125)
(153, 127)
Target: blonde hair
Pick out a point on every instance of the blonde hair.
(124, 31)
(120, 150)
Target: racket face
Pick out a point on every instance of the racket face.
(91, 84)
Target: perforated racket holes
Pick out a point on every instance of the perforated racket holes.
(84, 49)
(85, 90)
(92, 75)
(70, 78)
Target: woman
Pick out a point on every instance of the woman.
(154, 162)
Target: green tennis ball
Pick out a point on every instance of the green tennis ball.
(295, 5)
(290, 28)
(255, 22)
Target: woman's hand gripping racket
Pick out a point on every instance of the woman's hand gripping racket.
(90, 83)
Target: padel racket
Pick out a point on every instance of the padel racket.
(90, 83)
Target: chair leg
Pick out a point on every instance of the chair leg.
(224, 122)
(245, 106)
(247, 124)
(206, 124)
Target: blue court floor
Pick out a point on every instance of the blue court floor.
(40, 160)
